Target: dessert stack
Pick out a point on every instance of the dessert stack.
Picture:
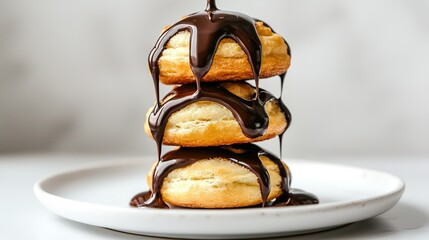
(213, 115)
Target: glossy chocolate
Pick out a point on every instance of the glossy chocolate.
(250, 114)
(207, 29)
(246, 155)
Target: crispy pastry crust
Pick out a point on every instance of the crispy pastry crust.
(207, 123)
(230, 61)
(217, 183)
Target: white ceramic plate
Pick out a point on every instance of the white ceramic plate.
(99, 195)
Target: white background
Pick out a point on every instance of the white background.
(73, 74)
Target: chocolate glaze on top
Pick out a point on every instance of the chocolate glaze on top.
(207, 29)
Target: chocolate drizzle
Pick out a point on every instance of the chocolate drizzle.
(250, 114)
(246, 155)
(207, 29)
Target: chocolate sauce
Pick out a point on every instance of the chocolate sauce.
(139, 200)
(246, 155)
(183, 157)
(295, 197)
(250, 114)
(287, 113)
(207, 29)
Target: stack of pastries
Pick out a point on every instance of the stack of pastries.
(214, 116)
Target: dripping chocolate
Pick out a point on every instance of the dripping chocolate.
(207, 29)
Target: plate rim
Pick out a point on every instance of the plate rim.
(45, 196)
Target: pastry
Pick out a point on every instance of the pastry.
(207, 123)
(217, 183)
(215, 116)
(230, 61)
(239, 175)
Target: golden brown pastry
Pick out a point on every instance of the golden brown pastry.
(230, 61)
(207, 123)
(217, 183)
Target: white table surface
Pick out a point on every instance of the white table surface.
(23, 217)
